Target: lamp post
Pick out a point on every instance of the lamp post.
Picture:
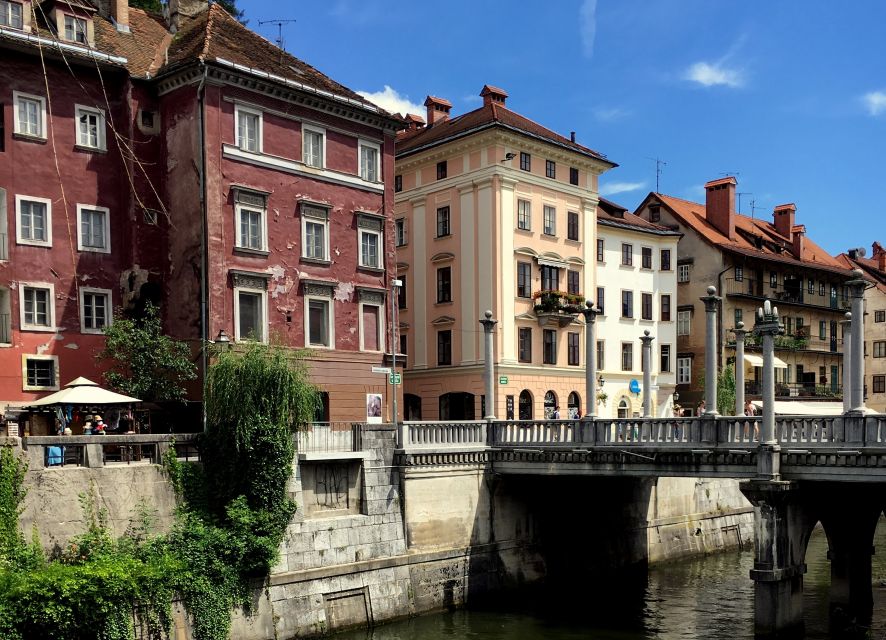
(395, 288)
(767, 327)
(590, 314)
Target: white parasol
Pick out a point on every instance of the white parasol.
(83, 391)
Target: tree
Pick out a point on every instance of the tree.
(154, 6)
(726, 391)
(144, 362)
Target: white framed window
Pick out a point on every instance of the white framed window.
(250, 308)
(370, 159)
(682, 273)
(684, 370)
(29, 115)
(95, 309)
(400, 231)
(319, 325)
(33, 221)
(36, 302)
(250, 220)
(684, 323)
(11, 14)
(549, 215)
(313, 146)
(39, 373)
(248, 128)
(524, 215)
(90, 127)
(372, 321)
(315, 232)
(93, 228)
(75, 29)
(370, 249)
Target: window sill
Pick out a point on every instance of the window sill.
(28, 327)
(30, 243)
(448, 235)
(27, 388)
(378, 270)
(526, 231)
(252, 252)
(92, 250)
(26, 137)
(626, 266)
(548, 235)
(85, 149)
(443, 303)
(405, 244)
(575, 242)
(316, 261)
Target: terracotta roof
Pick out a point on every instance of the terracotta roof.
(627, 220)
(867, 265)
(487, 116)
(144, 45)
(748, 232)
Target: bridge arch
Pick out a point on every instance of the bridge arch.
(524, 408)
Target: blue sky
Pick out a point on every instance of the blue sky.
(790, 96)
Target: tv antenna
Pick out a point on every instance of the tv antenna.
(743, 193)
(279, 24)
(659, 163)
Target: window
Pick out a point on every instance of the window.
(646, 306)
(524, 215)
(572, 282)
(810, 286)
(370, 248)
(572, 225)
(524, 344)
(315, 232)
(665, 259)
(93, 232)
(684, 370)
(250, 215)
(682, 273)
(442, 222)
(600, 250)
(319, 319)
(646, 257)
(90, 128)
(401, 292)
(665, 307)
(525, 161)
(95, 309)
(664, 359)
(550, 278)
(370, 157)
(400, 231)
(371, 325)
(34, 220)
(524, 280)
(11, 14)
(441, 169)
(550, 169)
(75, 29)
(737, 316)
(684, 322)
(822, 329)
(654, 212)
(313, 150)
(40, 373)
(37, 306)
(550, 221)
(398, 183)
(573, 175)
(627, 356)
(549, 341)
(444, 284)
(879, 384)
(627, 254)
(821, 288)
(880, 349)
(29, 114)
(249, 126)
(444, 347)
(601, 292)
(739, 274)
(627, 304)
(601, 353)
(773, 279)
(572, 341)
(404, 341)
(880, 315)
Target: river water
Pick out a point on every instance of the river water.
(708, 598)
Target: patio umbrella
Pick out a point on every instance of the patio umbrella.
(83, 391)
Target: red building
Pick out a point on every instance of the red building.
(190, 162)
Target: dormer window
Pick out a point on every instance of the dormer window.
(75, 29)
(11, 14)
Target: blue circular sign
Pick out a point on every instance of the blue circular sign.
(634, 386)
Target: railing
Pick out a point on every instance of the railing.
(330, 437)
(445, 435)
(797, 390)
(99, 451)
(521, 432)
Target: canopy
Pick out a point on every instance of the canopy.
(83, 391)
(800, 408)
(757, 361)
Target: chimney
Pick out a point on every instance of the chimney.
(879, 254)
(438, 110)
(120, 14)
(720, 205)
(181, 10)
(572, 136)
(784, 215)
(414, 122)
(798, 233)
(493, 95)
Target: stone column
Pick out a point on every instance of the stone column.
(710, 351)
(646, 339)
(847, 363)
(856, 291)
(590, 314)
(740, 332)
(488, 367)
(769, 458)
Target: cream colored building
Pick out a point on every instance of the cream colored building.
(491, 209)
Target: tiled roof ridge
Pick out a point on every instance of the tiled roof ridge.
(214, 8)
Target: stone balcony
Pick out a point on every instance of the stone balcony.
(556, 309)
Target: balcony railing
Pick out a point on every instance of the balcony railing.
(794, 293)
(330, 437)
(794, 342)
(797, 390)
(557, 308)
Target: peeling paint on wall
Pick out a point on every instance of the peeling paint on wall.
(344, 291)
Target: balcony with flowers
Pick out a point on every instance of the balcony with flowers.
(555, 309)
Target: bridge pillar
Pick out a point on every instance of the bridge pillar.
(590, 314)
(769, 456)
(856, 291)
(489, 364)
(711, 301)
(847, 363)
(740, 332)
(646, 339)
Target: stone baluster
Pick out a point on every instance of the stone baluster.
(646, 358)
(488, 366)
(740, 333)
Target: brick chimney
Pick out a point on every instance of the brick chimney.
(116, 11)
(438, 110)
(783, 216)
(181, 10)
(493, 95)
(798, 233)
(720, 205)
(879, 254)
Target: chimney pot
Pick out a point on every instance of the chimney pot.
(720, 205)
(572, 136)
(879, 254)
(438, 110)
(493, 95)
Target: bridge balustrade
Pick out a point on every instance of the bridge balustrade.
(456, 434)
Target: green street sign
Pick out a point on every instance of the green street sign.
(502, 379)
(395, 378)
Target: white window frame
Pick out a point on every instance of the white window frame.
(263, 294)
(544, 220)
(8, 17)
(330, 321)
(526, 206)
(18, 96)
(18, 221)
(377, 148)
(380, 254)
(401, 238)
(670, 351)
(107, 212)
(263, 233)
(304, 235)
(380, 328)
(684, 322)
(683, 273)
(24, 326)
(258, 134)
(684, 370)
(322, 133)
(109, 308)
(75, 21)
(25, 386)
(101, 139)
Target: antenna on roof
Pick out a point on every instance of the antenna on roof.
(659, 163)
(740, 194)
(279, 24)
(730, 174)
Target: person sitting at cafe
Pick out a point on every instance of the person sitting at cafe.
(99, 427)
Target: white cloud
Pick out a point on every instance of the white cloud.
(390, 99)
(713, 74)
(587, 26)
(610, 114)
(614, 188)
(875, 101)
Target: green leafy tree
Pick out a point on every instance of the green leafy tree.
(154, 6)
(726, 391)
(144, 362)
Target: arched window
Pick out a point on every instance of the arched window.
(623, 408)
(573, 405)
(525, 405)
(550, 404)
(412, 407)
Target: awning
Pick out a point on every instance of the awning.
(800, 408)
(83, 391)
(757, 361)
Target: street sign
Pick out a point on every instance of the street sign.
(381, 370)
(502, 379)
(395, 378)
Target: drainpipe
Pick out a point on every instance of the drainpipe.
(204, 253)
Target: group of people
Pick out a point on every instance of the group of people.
(93, 426)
